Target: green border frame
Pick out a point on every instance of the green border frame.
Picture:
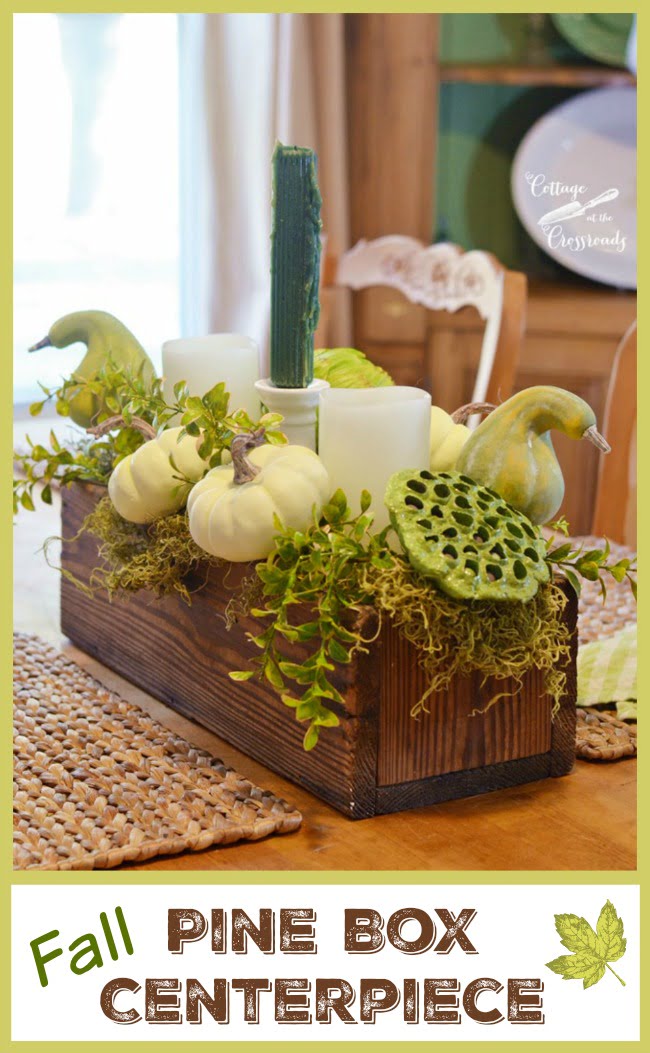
(7, 876)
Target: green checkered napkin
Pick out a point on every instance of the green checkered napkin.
(607, 672)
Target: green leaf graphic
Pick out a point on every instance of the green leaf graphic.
(593, 950)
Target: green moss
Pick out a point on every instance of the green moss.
(157, 557)
(457, 637)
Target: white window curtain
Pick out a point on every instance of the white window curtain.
(247, 80)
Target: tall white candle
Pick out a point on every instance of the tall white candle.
(204, 361)
(367, 434)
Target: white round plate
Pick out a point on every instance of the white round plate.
(576, 152)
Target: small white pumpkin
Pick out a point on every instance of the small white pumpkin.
(145, 485)
(449, 433)
(231, 510)
(447, 440)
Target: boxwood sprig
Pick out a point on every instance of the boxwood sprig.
(126, 396)
(576, 562)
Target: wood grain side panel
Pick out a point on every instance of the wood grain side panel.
(182, 655)
(453, 736)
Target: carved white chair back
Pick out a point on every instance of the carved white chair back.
(441, 277)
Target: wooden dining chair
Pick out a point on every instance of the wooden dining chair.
(442, 277)
(615, 507)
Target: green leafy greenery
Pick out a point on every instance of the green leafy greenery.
(90, 459)
(592, 951)
(590, 564)
(319, 571)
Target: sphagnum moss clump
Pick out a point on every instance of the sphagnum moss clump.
(456, 638)
(158, 556)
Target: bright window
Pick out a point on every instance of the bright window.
(96, 218)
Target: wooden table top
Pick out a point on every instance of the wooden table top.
(583, 821)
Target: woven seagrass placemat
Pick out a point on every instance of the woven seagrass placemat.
(98, 782)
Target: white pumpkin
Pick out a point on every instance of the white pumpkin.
(447, 440)
(231, 510)
(145, 485)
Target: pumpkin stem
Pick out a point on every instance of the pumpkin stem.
(118, 421)
(463, 413)
(244, 471)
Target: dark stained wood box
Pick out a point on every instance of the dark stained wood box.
(379, 759)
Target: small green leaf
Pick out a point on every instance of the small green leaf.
(366, 500)
(241, 676)
(619, 570)
(311, 737)
(272, 674)
(26, 501)
(326, 718)
(305, 710)
(560, 553)
(290, 701)
(276, 438)
(573, 580)
(338, 652)
(588, 570)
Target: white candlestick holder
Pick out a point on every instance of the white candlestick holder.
(298, 406)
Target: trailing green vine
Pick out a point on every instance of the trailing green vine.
(591, 564)
(320, 570)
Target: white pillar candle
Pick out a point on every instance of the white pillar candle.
(204, 361)
(367, 434)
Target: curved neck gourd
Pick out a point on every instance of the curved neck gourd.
(106, 339)
(542, 409)
(511, 450)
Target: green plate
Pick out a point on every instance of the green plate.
(601, 37)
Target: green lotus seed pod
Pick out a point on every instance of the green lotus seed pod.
(465, 536)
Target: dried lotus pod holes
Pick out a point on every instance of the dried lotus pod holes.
(465, 537)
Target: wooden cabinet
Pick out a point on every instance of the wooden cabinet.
(572, 330)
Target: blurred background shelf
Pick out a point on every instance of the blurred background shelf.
(534, 76)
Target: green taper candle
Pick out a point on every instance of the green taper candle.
(295, 266)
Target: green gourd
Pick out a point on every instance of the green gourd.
(105, 337)
(511, 450)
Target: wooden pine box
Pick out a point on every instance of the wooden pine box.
(379, 759)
